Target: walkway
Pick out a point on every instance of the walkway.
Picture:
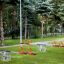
(62, 39)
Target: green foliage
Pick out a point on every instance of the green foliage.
(30, 10)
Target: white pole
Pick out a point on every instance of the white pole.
(20, 24)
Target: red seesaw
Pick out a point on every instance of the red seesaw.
(30, 52)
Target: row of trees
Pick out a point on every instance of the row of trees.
(38, 17)
(45, 14)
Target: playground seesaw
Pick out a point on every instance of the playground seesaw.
(42, 45)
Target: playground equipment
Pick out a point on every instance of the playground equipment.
(42, 45)
(58, 43)
(5, 56)
(21, 48)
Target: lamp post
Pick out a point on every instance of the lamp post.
(20, 25)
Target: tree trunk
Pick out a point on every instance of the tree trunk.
(1, 28)
(14, 27)
(25, 27)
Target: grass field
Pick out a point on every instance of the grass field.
(51, 56)
(16, 41)
(11, 42)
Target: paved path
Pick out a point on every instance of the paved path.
(62, 39)
(8, 46)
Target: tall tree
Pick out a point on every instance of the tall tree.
(1, 22)
(2, 2)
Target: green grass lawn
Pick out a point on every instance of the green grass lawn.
(48, 38)
(16, 41)
(11, 42)
(51, 56)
